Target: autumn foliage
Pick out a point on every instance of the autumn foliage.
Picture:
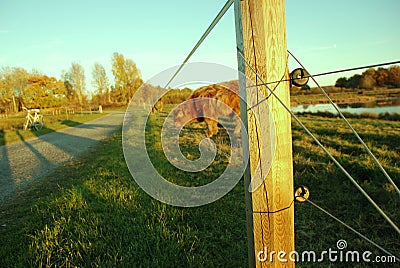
(372, 78)
(21, 88)
(34, 90)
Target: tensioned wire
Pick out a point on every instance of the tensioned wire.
(337, 163)
(202, 38)
(351, 127)
(209, 29)
(352, 229)
(334, 72)
(340, 114)
(215, 22)
(323, 148)
(326, 151)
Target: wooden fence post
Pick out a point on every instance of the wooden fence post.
(265, 49)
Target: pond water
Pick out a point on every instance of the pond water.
(354, 109)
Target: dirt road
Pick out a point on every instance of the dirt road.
(23, 162)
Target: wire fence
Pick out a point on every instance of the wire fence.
(298, 121)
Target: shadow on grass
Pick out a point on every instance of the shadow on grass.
(25, 161)
(100, 216)
(97, 215)
(333, 191)
(70, 123)
(5, 170)
(2, 139)
(43, 162)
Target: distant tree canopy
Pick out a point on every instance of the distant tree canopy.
(177, 95)
(75, 77)
(19, 87)
(100, 83)
(127, 78)
(372, 78)
(42, 91)
(150, 94)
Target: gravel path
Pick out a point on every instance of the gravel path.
(23, 162)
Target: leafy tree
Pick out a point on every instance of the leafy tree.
(118, 70)
(127, 77)
(76, 77)
(71, 93)
(382, 77)
(354, 81)
(370, 72)
(100, 81)
(341, 82)
(43, 92)
(20, 88)
(367, 82)
(177, 95)
(186, 92)
(372, 78)
(12, 84)
(394, 76)
(368, 79)
(6, 93)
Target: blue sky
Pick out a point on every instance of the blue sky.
(49, 35)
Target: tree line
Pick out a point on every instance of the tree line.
(19, 87)
(372, 78)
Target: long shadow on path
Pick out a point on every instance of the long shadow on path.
(23, 162)
(6, 181)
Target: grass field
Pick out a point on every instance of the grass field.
(91, 213)
(11, 128)
(384, 96)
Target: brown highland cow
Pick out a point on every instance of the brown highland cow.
(196, 110)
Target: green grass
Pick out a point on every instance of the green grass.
(344, 96)
(334, 192)
(97, 215)
(11, 129)
(92, 213)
